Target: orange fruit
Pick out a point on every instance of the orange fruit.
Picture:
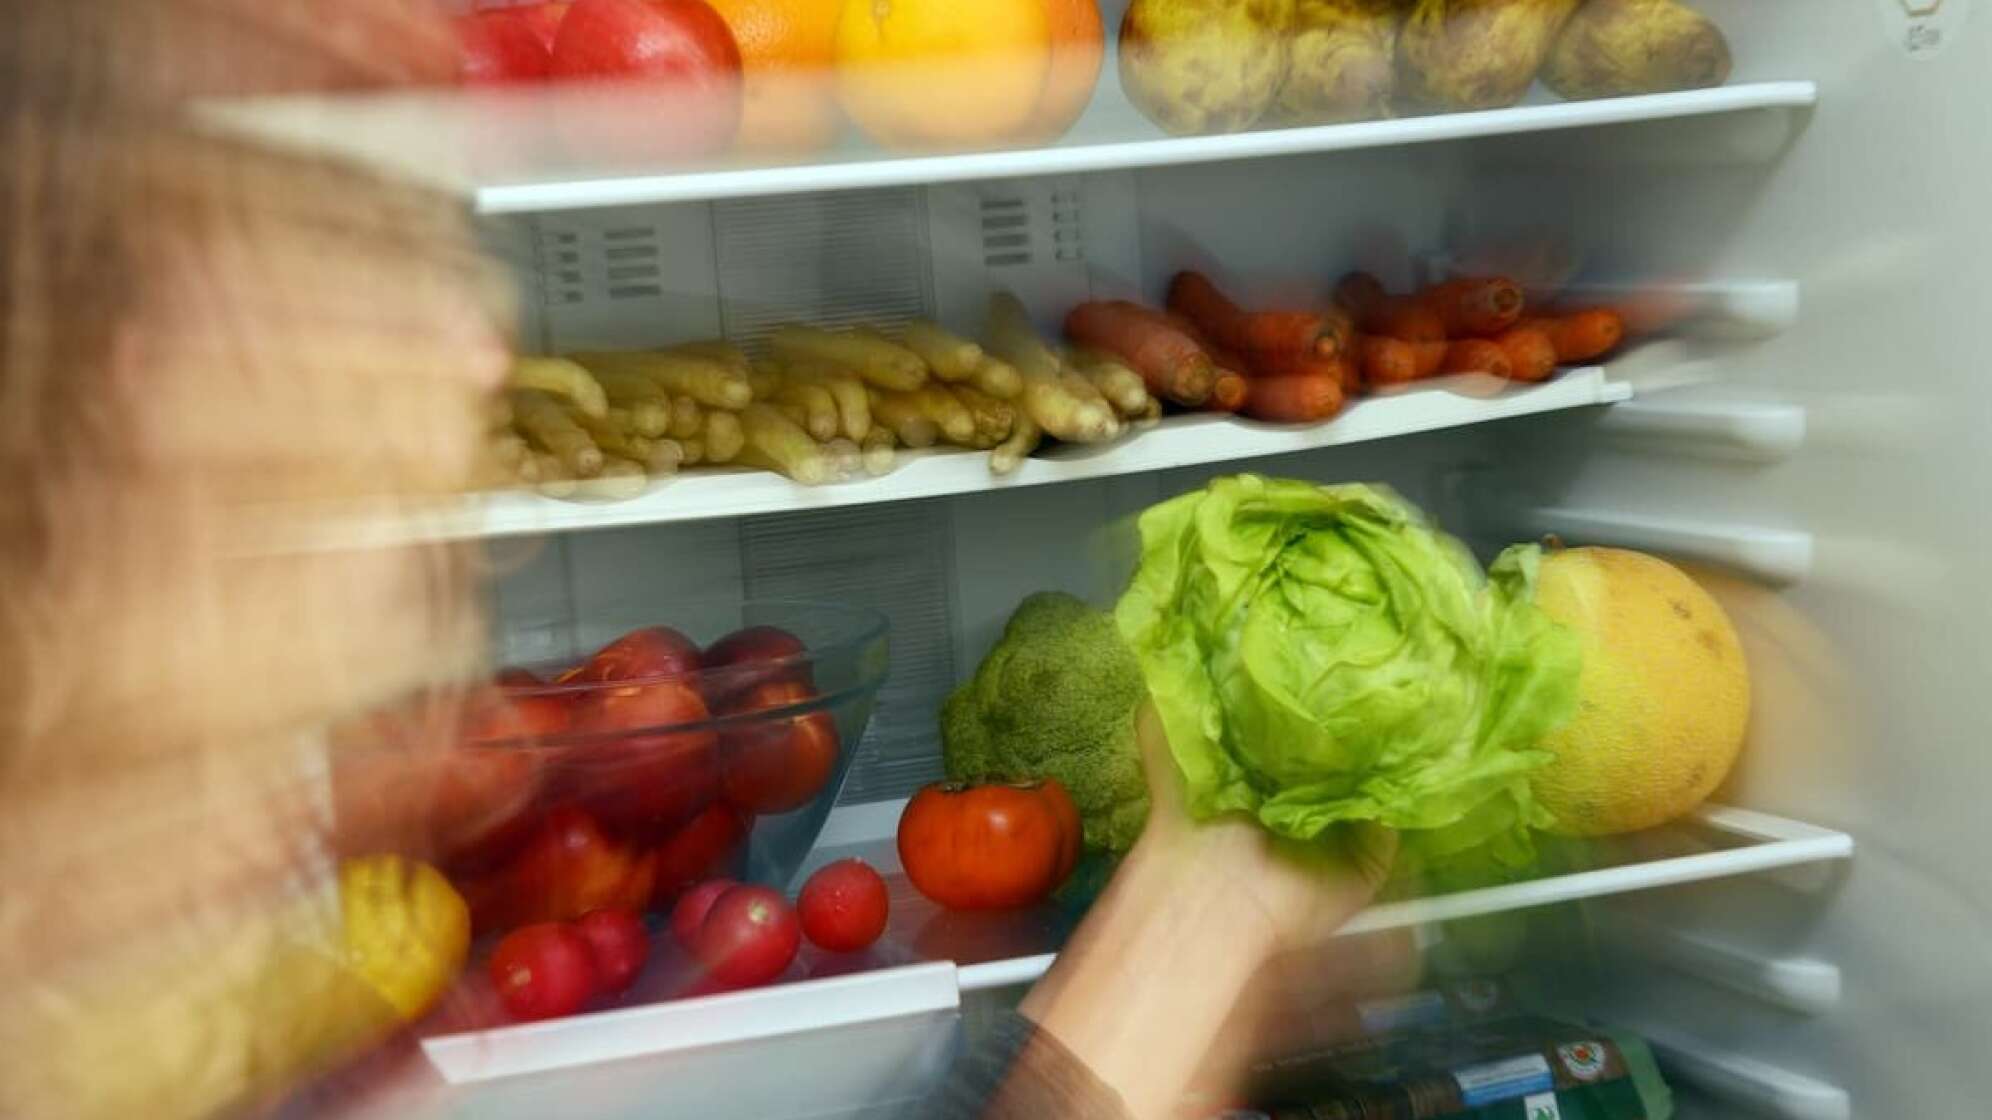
(942, 73)
(1078, 47)
(787, 49)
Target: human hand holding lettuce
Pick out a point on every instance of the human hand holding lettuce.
(1316, 655)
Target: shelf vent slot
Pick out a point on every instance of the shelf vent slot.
(894, 559)
(1018, 230)
(835, 259)
(581, 265)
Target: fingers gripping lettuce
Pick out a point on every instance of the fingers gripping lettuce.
(1321, 654)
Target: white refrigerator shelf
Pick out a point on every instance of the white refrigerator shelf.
(929, 957)
(1181, 441)
(518, 151)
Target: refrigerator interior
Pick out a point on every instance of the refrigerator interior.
(1803, 435)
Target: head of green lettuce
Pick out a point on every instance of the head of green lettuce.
(1322, 654)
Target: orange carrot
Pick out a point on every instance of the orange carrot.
(1359, 294)
(1476, 355)
(1169, 361)
(1583, 335)
(1341, 327)
(1479, 306)
(1531, 356)
(1342, 368)
(1194, 297)
(1387, 361)
(1427, 357)
(1406, 318)
(1227, 392)
(1297, 398)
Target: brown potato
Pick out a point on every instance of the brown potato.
(1476, 54)
(1342, 62)
(1201, 66)
(1616, 47)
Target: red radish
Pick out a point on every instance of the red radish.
(499, 48)
(843, 906)
(748, 937)
(683, 69)
(618, 945)
(543, 971)
(690, 913)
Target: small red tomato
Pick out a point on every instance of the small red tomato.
(745, 658)
(543, 971)
(544, 19)
(989, 847)
(703, 847)
(618, 944)
(843, 906)
(748, 937)
(692, 908)
(778, 764)
(654, 651)
(498, 48)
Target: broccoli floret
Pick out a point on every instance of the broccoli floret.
(1056, 698)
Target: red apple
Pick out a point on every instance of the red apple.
(499, 48)
(778, 764)
(679, 72)
(656, 651)
(706, 846)
(756, 655)
(638, 779)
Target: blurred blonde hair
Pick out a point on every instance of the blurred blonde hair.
(199, 340)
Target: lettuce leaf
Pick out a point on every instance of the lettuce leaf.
(1322, 654)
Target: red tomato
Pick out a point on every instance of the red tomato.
(543, 971)
(988, 847)
(843, 906)
(518, 678)
(569, 867)
(544, 19)
(745, 658)
(748, 937)
(638, 781)
(684, 61)
(692, 908)
(618, 944)
(499, 48)
(707, 845)
(655, 651)
(777, 764)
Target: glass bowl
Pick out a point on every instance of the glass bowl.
(663, 747)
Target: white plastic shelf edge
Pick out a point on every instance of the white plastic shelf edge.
(497, 149)
(1757, 1088)
(1778, 842)
(1178, 442)
(686, 1023)
(522, 197)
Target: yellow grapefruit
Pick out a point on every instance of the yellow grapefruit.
(787, 51)
(1078, 47)
(942, 73)
(1664, 699)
